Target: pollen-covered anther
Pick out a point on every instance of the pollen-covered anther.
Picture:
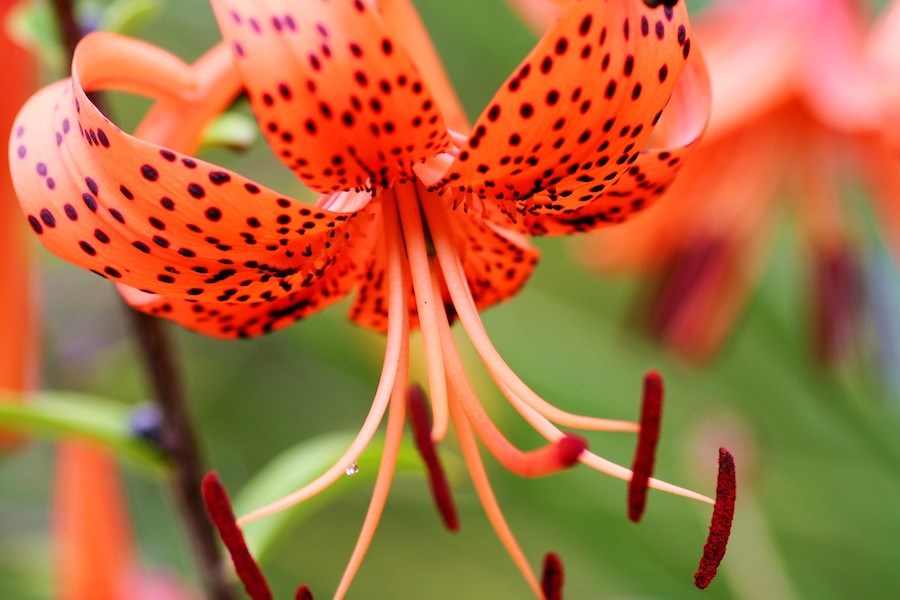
(722, 517)
(303, 593)
(552, 578)
(645, 453)
(437, 478)
(218, 507)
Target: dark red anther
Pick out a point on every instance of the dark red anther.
(218, 507)
(838, 299)
(437, 479)
(645, 454)
(570, 447)
(698, 274)
(303, 593)
(552, 579)
(720, 527)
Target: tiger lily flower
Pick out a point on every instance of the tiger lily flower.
(422, 216)
(805, 127)
(95, 554)
(18, 354)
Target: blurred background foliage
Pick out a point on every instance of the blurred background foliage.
(817, 448)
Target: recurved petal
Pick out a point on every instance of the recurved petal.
(585, 99)
(154, 219)
(233, 320)
(589, 199)
(338, 99)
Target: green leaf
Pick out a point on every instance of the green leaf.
(301, 464)
(62, 415)
(32, 25)
(129, 16)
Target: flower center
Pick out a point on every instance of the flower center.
(424, 251)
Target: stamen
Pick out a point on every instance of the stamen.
(395, 357)
(469, 447)
(537, 411)
(437, 479)
(515, 389)
(560, 454)
(428, 301)
(392, 439)
(552, 580)
(399, 292)
(680, 312)
(645, 454)
(838, 296)
(218, 507)
(303, 593)
(722, 517)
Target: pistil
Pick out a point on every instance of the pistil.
(427, 302)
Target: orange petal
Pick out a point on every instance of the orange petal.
(537, 14)
(761, 42)
(496, 262)
(340, 102)
(156, 220)
(580, 107)
(838, 88)
(231, 320)
(589, 200)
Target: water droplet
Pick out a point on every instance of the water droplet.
(353, 469)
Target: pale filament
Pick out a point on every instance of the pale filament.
(500, 371)
(392, 441)
(469, 447)
(535, 463)
(395, 358)
(516, 391)
(397, 413)
(447, 365)
(427, 304)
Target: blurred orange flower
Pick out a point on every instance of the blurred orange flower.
(795, 118)
(95, 555)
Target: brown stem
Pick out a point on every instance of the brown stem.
(69, 29)
(178, 431)
(180, 441)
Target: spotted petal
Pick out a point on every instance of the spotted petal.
(230, 320)
(579, 109)
(336, 96)
(150, 217)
